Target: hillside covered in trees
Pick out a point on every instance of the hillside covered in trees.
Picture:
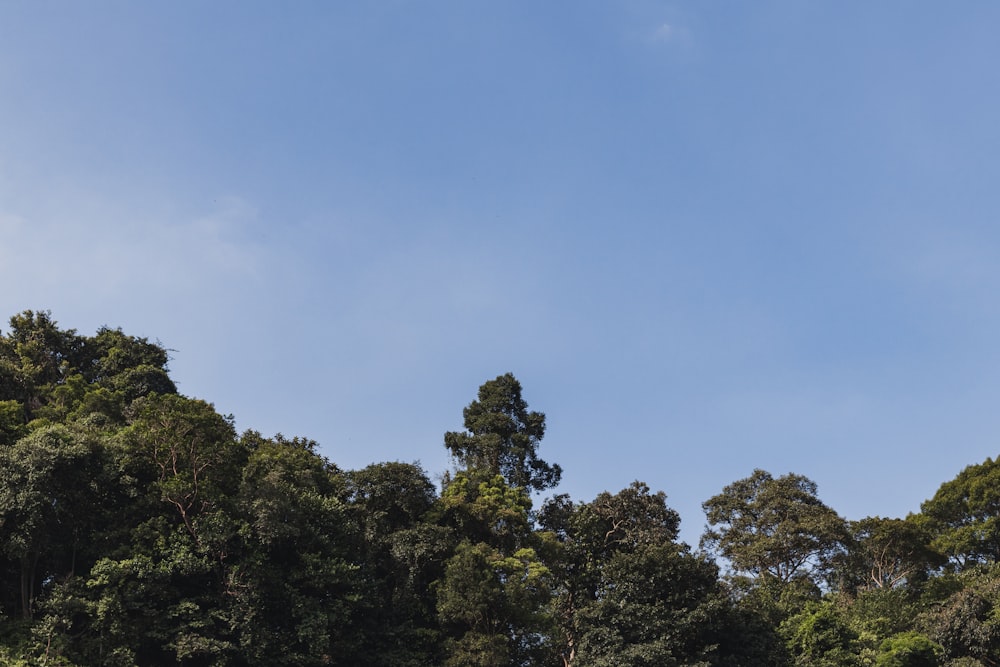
(137, 527)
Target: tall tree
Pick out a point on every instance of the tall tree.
(627, 593)
(189, 449)
(491, 605)
(502, 437)
(888, 553)
(400, 553)
(491, 598)
(774, 527)
(48, 500)
(34, 357)
(50, 375)
(966, 620)
(294, 589)
(965, 515)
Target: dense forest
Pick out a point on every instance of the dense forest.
(137, 527)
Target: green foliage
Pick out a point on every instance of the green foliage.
(490, 604)
(158, 605)
(628, 593)
(965, 515)
(486, 509)
(819, 636)
(400, 555)
(187, 450)
(745, 634)
(909, 649)
(652, 607)
(46, 493)
(137, 528)
(494, 586)
(113, 353)
(502, 437)
(54, 375)
(879, 613)
(966, 622)
(389, 497)
(885, 553)
(774, 527)
(11, 421)
(36, 355)
(292, 585)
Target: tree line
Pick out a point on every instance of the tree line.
(137, 527)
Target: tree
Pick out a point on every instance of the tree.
(491, 597)
(485, 508)
(653, 606)
(965, 515)
(49, 375)
(886, 553)
(502, 437)
(877, 614)
(48, 500)
(627, 593)
(966, 622)
(491, 605)
(67, 499)
(909, 649)
(188, 448)
(818, 636)
(774, 528)
(399, 552)
(295, 591)
(35, 356)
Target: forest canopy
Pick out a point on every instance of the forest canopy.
(138, 527)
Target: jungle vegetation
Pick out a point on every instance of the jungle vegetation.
(137, 527)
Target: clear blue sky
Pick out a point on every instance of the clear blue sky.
(707, 237)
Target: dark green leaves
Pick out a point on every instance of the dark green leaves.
(965, 515)
(774, 527)
(502, 437)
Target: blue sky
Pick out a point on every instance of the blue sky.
(706, 237)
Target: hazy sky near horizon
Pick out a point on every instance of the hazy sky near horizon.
(706, 237)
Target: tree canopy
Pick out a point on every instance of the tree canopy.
(502, 437)
(774, 527)
(138, 528)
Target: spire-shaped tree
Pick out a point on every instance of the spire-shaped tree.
(502, 437)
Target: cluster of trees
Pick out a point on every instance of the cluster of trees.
(137, 527)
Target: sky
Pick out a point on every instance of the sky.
(706, 237)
